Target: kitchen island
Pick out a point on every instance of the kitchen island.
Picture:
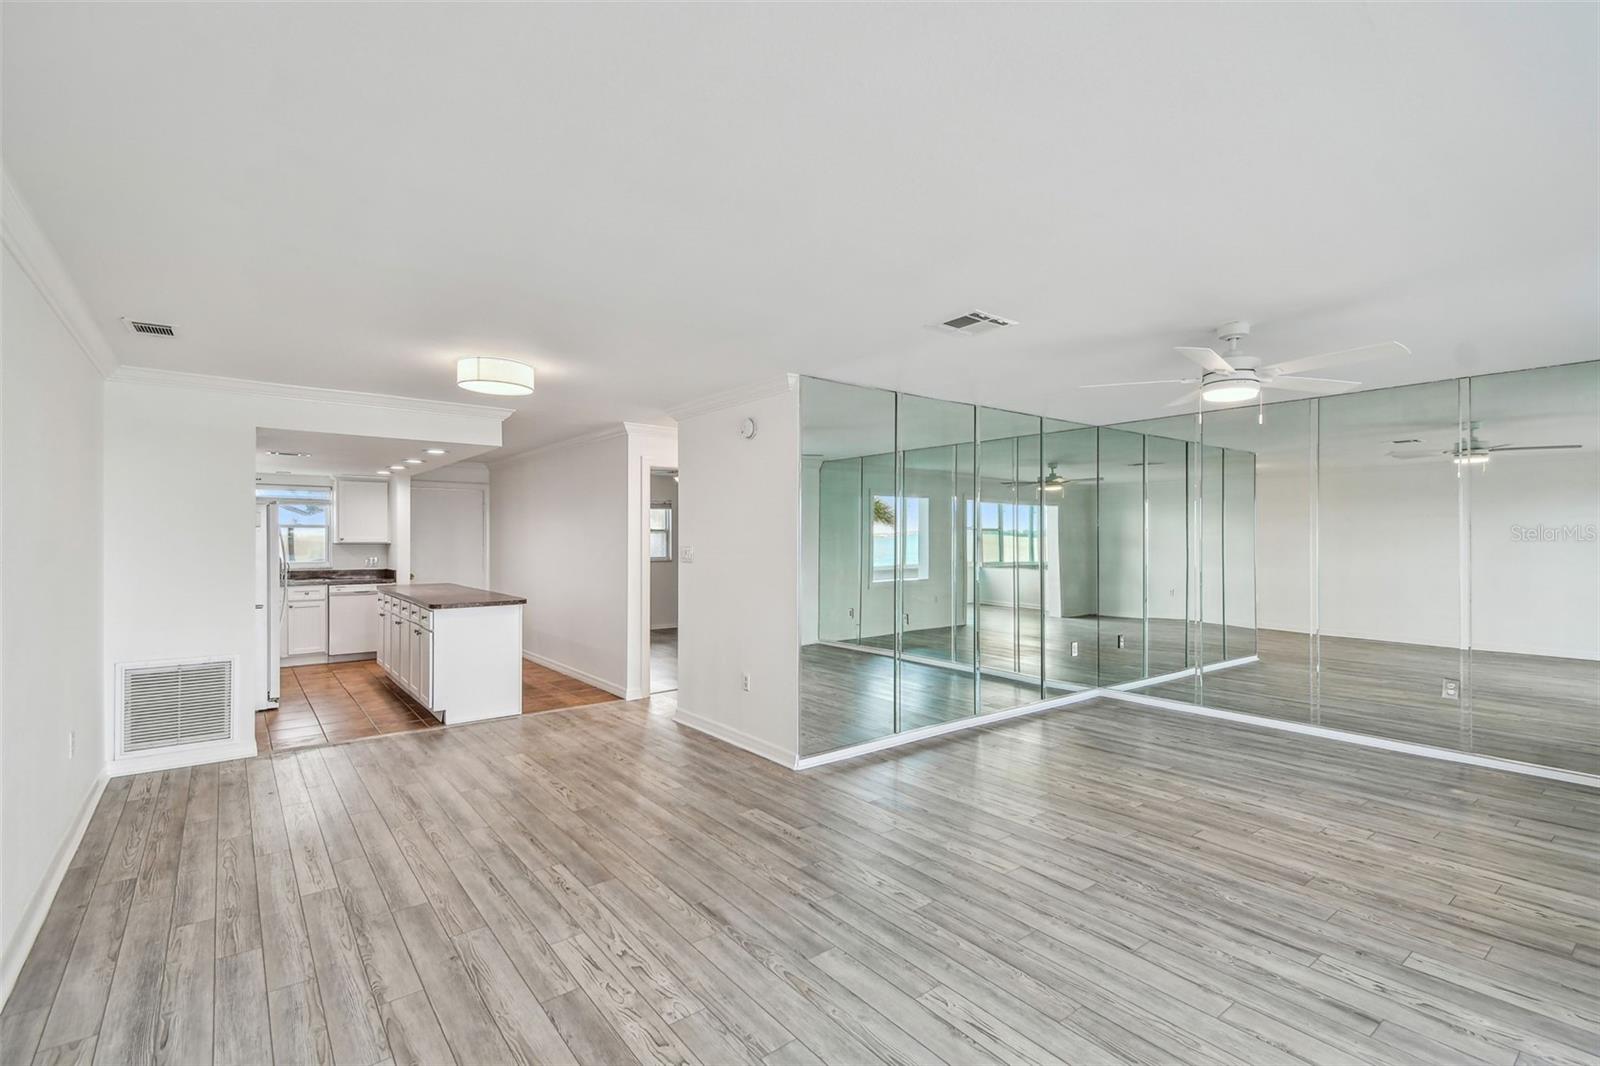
(455, 650)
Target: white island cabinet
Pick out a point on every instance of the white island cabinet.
(455, 650)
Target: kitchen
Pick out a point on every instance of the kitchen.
(350, 641)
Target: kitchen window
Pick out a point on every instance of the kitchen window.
(661, 533)
(303, 519)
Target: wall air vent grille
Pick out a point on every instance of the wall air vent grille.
(975, 322)
(158, 329)
(171, 705)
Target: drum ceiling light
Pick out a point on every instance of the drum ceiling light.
(497, 377)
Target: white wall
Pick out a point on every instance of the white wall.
(738, 609)
(559, 536)
(179, 456)
(51, 399)
(664, 572)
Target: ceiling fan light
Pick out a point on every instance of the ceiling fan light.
(1472, 459)
(1230, 391)
(496, 377)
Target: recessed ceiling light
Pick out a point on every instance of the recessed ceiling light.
(397, 466)
(384, 473)
(497, 377)
(413, 462)
(435, 451)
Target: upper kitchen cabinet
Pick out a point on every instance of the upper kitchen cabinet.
(361, 511)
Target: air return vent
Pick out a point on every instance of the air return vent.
(158, 329)
(169, 705)
(975, 322)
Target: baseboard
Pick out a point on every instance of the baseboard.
(199, 755)
(960, 725)
(1426, 751)
(16, 952)
(620, 691)
(737, 737)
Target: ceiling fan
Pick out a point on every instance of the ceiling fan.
(1053, 482)
(1239, 378)
(1475, 452)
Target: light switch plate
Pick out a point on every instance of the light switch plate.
(685, 554)
(1074, 648)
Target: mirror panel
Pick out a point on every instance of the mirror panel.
(1533, 505)
(1120, 556)
(1008, 535)
(1070, 562)
(938, 679)
(848, 675)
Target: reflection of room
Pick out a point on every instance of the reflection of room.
(1417, 564)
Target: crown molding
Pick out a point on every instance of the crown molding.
(22, 237)
(649, 429)
(735, 397)
(144, 375)
(594, 437)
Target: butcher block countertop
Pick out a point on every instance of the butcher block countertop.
(442, 597)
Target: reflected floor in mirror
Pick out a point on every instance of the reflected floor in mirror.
(1530, 708)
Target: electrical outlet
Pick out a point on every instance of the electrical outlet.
(685, 554)
(1450, 689)
(1074, 648)
(1119, 640)
(747, 682)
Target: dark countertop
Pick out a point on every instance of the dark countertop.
(444, 596)
(310, 576)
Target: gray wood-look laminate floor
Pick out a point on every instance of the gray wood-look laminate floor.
(1098, 884)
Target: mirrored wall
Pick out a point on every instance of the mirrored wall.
(1419, 564)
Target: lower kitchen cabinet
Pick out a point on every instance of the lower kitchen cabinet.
(462, 664)
(305, 627)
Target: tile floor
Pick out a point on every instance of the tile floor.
(333, 702)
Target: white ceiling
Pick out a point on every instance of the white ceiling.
(655, 202)
(342, 454)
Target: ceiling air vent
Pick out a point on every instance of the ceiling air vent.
(169, 705)
(975, 322)
(158, 329)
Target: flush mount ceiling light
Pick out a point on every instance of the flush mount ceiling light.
(434, 451)
(497, 377)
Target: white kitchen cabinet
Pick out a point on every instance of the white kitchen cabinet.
(383, 630)
(305, 627)
(458, 653)
(360, 511)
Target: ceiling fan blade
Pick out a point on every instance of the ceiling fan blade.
(1416, 453)
(1187, 399)
(1392, 349)
(1533, 447)
(1207, 358)
(1315, 386)
(1120, 384)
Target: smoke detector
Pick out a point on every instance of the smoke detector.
(158, 329)
(974, 322)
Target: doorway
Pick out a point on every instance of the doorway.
(663, 562)
(449, 533)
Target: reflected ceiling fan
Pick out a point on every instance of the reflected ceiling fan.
(1053, 482)
(1475, 452)
(1238, 378)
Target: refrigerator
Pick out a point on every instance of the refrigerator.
(272, 578)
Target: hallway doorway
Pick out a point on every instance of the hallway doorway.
(663, 534)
